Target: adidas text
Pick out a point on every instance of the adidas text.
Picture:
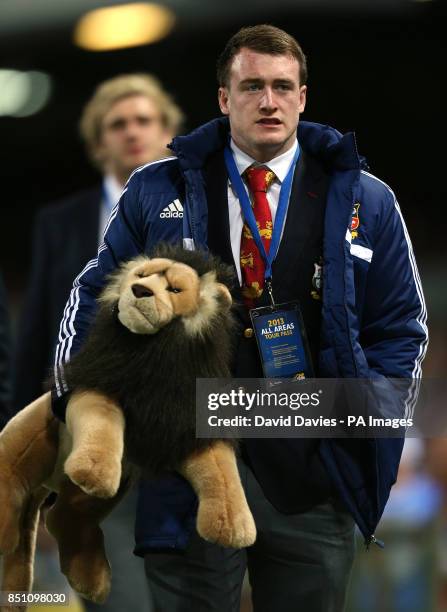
(173, 211)
(171, 214)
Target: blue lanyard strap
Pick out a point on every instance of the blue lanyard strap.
(284, 194)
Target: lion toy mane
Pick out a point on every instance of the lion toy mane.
(162, 322)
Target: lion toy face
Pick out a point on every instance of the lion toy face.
(150, 293)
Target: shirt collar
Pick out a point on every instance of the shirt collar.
(279, 165)
(113, 189)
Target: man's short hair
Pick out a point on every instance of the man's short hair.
(263, 39)
(109, 92)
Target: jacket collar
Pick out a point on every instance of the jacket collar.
(334, 150)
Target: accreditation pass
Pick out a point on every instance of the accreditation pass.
(282, 341)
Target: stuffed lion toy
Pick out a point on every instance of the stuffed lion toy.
(161, 323)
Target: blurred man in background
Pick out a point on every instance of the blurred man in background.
(127, 123)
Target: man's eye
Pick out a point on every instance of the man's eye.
(117, 125)
(253, 87)
(173, 289)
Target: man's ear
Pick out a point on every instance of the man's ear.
(100, 154)
(303, 96)
(222, 96)
(168, 136)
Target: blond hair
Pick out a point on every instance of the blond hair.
(110, 91)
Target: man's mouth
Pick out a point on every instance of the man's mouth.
(269, 121)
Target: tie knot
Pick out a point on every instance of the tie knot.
(259, 178)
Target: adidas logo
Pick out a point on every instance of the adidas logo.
(173, 211)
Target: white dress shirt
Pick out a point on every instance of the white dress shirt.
(112, 190)
(280, 166)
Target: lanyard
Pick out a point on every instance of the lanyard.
(238, 186)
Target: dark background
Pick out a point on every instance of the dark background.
(376, 67)
(378, 72)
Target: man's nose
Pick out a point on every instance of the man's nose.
(267, 100)
(132, 129)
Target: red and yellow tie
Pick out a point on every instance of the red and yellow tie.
(252, 264)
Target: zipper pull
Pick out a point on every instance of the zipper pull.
(377, 542)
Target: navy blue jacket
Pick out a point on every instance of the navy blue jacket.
(373, 314)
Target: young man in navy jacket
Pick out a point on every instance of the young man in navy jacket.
(370, 322)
